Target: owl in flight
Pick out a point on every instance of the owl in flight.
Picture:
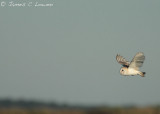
(131, 68)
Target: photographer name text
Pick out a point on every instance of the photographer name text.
(25, 4)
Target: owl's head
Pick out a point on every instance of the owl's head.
(123, 71)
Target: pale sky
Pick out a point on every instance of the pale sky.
(66, 53)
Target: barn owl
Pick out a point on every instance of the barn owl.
(131, 68)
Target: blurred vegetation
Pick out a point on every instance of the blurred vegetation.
(8, 106)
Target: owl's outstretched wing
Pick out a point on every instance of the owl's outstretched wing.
(137, 61)
(122, 61)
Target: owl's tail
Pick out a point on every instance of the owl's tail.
(142, 74)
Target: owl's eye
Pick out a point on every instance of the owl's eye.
(122, 70)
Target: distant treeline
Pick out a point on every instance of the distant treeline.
(7, 103)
